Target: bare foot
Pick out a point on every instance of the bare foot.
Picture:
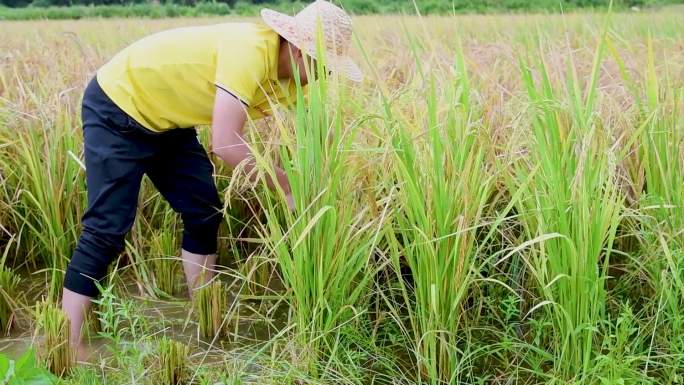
(81, 352)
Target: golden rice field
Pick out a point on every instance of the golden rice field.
(501, 201)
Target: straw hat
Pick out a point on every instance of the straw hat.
(300, 30)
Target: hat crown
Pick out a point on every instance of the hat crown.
(302, 31)
(336, 26)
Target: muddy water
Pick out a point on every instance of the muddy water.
(14, 346)
(249, 321)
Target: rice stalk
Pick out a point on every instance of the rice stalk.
(661, 155)
(165, 264)
(48, 176)
(170, 363)
(570, 210)
(443, 190)
(154, 249)
(323, 247)
(9, 290)
(210, 304)
(52, 327)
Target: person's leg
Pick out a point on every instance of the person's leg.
(183, 174)
(198, 269)
(114, 162)
(76, 306)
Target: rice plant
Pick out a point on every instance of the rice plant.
(210, 305)
(323, 247)
(9, 290)
(658, 172)
(52, 328)
(42, 163)
(442, 198)
(570, 209)
(500, 201)
(154, 250)
(164, 262)
(661, 150)
(169, 366)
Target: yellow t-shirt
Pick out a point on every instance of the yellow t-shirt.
(168, 79)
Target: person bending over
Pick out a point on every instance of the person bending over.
(139, 113)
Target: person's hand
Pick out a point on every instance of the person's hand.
(283, 181)
(290, 201)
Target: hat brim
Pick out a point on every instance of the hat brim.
(286, 26)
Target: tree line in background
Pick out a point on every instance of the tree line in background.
(76, 9)
(363, 5)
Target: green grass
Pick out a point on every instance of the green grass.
(24, 370)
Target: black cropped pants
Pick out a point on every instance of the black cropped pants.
(118, 152)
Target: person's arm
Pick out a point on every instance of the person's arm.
(228, 120)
